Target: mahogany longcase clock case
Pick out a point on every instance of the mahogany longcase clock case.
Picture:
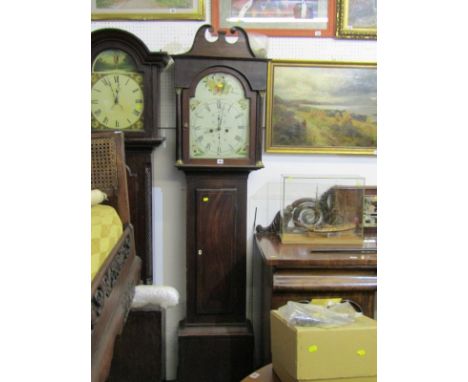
(220, 88)
(125, 96)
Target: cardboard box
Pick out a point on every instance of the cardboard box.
(285, 377)
(310, 353)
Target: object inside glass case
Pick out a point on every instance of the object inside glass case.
(325, 211)
(370, 211)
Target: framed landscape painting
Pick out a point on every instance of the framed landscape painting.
(311, 18)
(147, 10)
(357, 19)
(322, 107)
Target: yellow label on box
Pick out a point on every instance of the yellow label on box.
(325, 301)
(313, 348)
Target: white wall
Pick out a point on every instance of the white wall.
(177, 37)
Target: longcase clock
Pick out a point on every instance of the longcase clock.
(220, 87)
(125, 96)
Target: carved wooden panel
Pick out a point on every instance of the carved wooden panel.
(112, 292)
(112, 271)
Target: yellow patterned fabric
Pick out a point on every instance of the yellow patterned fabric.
(106, 230)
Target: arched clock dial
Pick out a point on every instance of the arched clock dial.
(219, 118)
(117, 96)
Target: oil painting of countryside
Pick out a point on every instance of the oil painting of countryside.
(324, 107)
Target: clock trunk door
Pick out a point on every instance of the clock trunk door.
(216, 250)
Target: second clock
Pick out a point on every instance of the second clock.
(220, 88)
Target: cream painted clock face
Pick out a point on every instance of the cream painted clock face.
(117, 101)
(219, 119)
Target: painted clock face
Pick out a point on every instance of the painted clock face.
(219, 118)
(117, 99)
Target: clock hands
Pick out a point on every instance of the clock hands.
(218, 129)
(116, 95)
(220, 124)
(111, 88)
(220, 116)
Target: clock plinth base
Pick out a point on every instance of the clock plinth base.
(215, 353)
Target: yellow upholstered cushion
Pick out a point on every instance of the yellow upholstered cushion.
(106, 230)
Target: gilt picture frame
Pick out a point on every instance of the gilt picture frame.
(147, 10)
(356, 19)
(298, 18)
(321, 107)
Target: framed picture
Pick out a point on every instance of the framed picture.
(311, 18)
(357, 19)
(147, 10)
(321, 107)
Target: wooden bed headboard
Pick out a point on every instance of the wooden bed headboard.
(108, 170)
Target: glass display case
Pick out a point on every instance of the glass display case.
(322, 210)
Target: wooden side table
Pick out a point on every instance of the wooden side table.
(265, 374)
(293, 272)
